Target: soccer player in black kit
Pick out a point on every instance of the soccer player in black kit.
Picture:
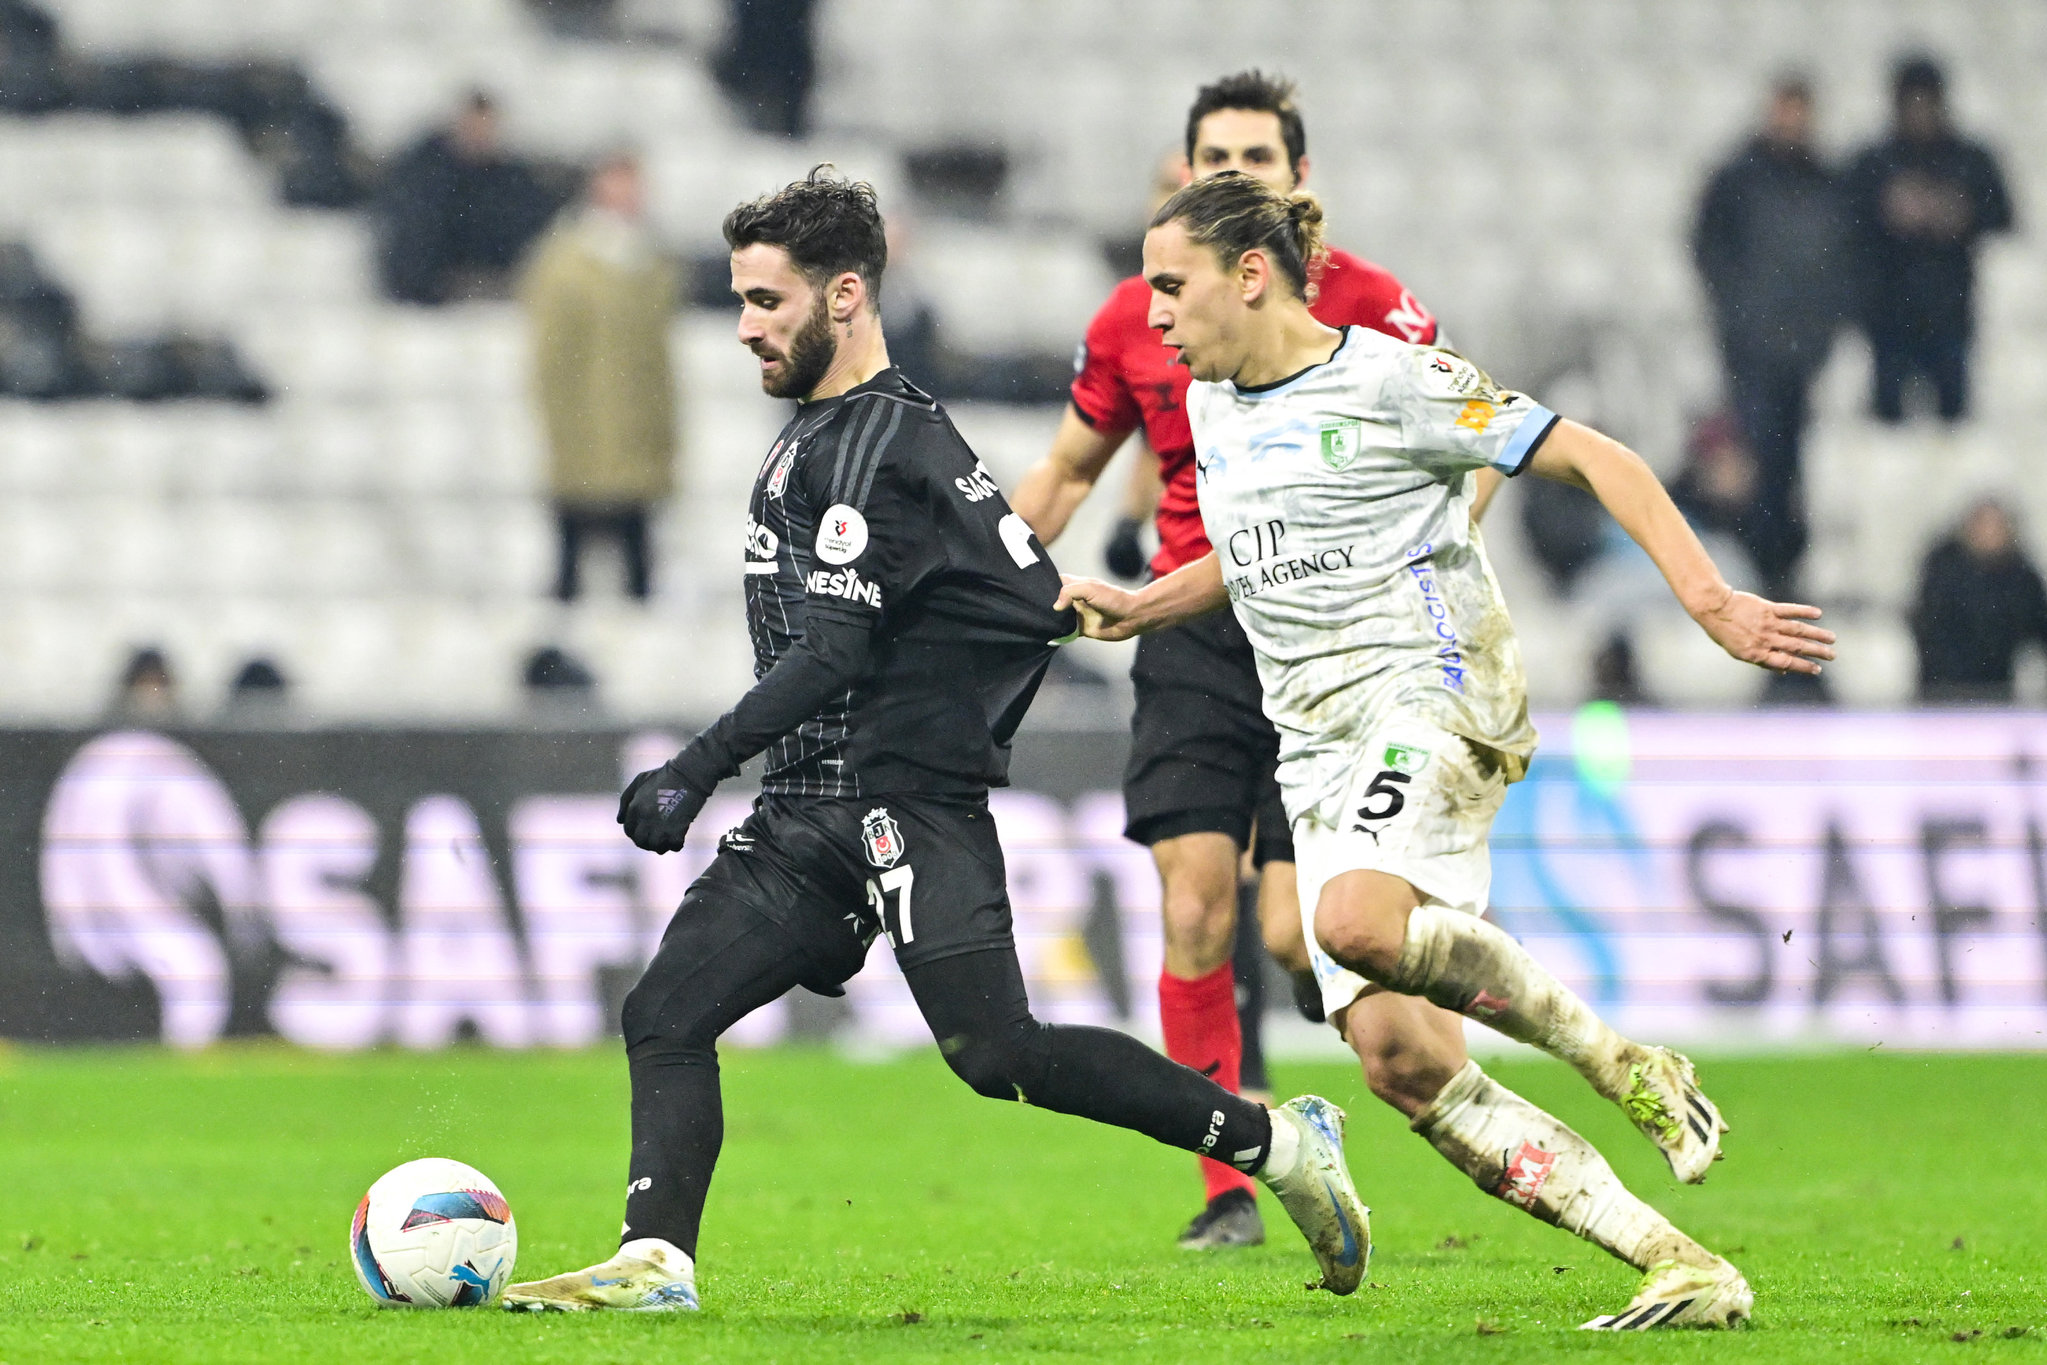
(902, 619)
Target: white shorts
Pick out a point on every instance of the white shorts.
(1418, 804)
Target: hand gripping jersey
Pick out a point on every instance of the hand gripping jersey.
(1338, 501)
(1124, 377)
(901, 614)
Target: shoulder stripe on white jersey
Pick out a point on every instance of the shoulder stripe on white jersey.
(1521, 445)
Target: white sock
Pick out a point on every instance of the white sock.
(1464, 964)
(1521, 1155)
(1284, 1152)
(656, 1251)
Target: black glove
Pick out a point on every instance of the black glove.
(658, 807)
(1124, 554)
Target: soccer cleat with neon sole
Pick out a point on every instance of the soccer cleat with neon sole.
(1663, 1099)
(1674, 1294)
(1317, 1193)
(647, 1276)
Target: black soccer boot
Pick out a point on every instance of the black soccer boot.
(1230, 1220)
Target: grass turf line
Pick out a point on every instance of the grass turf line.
(171, 1208)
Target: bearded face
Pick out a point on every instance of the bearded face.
(800, 367)
(785, 320)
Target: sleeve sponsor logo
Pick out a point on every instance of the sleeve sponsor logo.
(978, 486)
(841, 534)
(846, 583)
(1016, 538)
(1477, 415)
(1459, 377)
(762, 545)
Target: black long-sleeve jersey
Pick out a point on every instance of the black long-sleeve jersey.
(901, 614)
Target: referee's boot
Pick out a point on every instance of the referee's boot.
(1230, 1220)
(647, 1275)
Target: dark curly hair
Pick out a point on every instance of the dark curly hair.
(827, 223)
(1260, 94)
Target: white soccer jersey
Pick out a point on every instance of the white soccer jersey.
(1339, 504)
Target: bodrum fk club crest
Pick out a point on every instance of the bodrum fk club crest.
(1341, 441)
(884, 840)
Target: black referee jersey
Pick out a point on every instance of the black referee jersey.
(901, 614)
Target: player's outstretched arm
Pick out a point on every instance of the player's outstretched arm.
(1108, 612)
(1053, 487)
(1776, 635)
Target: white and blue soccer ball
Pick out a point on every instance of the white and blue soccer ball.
(433, 1233)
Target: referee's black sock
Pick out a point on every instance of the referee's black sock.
(977, 1010)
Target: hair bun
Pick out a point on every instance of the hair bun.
(1304, 212)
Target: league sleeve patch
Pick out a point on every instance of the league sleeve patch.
(1443, 374)
(841, 534)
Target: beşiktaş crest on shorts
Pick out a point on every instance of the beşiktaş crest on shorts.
(883, 839)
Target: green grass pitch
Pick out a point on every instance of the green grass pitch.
(194, 1208)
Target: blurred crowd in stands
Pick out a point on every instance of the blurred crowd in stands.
(1792, 251)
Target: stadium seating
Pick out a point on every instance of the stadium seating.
(1529, 166)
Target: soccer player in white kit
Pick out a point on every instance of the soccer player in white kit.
(1336, 471)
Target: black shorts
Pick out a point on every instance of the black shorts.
(836, 872)
(1202, 753)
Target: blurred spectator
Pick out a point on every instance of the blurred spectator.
(913, 344)
(1923, 200)
(259, 694)
(769, 64)
(148, 691)
(158, 369)
(1772, 245)
(30, 68)
(1613, 586)
(44, 354)
(557, 684)
(1979, 599)
(578, 18)
(599, 298)
(1718, 491)
(1566, 529)
(1615, 676)
(456, 211)
(38, 330)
